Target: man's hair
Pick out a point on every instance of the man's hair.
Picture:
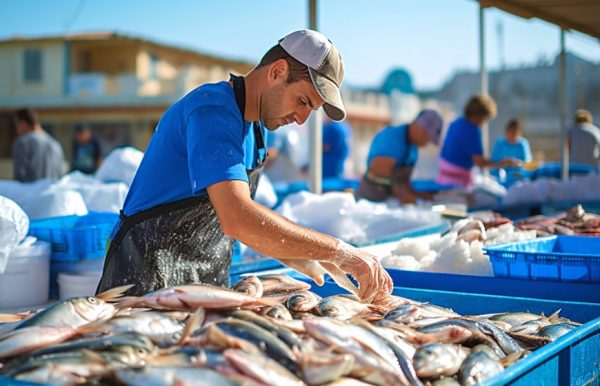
(583, 116)
(514, 124)
(297, 70)
(27, 115)
(480, 106)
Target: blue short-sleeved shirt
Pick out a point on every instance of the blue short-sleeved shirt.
(200, 140)
(503, 149)
(462, 143)
(392, 141)
(336, 136)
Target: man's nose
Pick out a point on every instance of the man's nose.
(302, 116)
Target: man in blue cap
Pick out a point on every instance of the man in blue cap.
(193, 193)
(393, 155)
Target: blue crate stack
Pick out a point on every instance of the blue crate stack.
(76, 241)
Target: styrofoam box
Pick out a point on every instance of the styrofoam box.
(24, 283)
(76, 284)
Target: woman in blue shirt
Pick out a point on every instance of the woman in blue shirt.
(393, 155)
(463, 147)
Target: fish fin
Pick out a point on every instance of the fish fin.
(114, 293)
(93, 356)
(340, 278)
(220, 339)
(554, 317)
(9, 318)
(511, 358)
(195, 320)
(519, 328)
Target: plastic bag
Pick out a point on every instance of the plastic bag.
(120, 165)
(14, 225)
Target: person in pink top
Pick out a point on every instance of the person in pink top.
(463, 147)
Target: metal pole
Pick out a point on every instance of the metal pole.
(315, 124)
(564, 144)
(485, 134)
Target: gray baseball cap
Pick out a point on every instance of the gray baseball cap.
(325, 67)
(432, 122)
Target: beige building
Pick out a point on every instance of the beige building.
(119, 85)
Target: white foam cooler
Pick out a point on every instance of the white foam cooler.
(24, 283)
(74, 284)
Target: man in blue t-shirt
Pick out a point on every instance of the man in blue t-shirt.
(512, 144)
(193, 192)
(393, 155)
(336, 146)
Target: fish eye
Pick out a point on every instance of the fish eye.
(92, 300)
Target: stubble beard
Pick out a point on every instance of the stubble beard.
(270, 107)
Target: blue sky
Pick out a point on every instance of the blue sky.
(430, 38)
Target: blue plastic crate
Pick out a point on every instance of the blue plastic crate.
(75, 238)
(554, 170)
(574, 359)
(568, 291)
(557, 258)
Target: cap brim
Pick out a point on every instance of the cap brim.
(330, 92)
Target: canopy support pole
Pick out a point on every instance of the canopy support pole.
(564, 143)
(483, 75)
(315, 124)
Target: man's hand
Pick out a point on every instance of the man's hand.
(375, 284)
(511, 162)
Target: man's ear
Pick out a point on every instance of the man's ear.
(278, 71)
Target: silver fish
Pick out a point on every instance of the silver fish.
(555, 331)
(262, 368)
(477, 368)
(319, 367)
(280, 283)
(169, 376)
(278, 311)
(434, 360)
(159, 327)
(190, 297)
(250, 285)
(303, 301)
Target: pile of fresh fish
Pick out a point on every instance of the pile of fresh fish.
(267, 330)
(459, 251)
(574, 222)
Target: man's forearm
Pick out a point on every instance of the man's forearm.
(271, 234)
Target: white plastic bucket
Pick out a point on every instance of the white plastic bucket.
(24, 283)
(76, 284)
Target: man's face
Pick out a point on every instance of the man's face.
(513, 135)
(285, 103)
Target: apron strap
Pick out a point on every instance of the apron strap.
(239, 89)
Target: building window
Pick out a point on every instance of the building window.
(32, 63)
(85, 61)
(154, 59)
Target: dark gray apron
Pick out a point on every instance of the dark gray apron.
(380, 189)
(176, 243)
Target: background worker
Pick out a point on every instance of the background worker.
(392, 157)
(36, 154)
(463, 147)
